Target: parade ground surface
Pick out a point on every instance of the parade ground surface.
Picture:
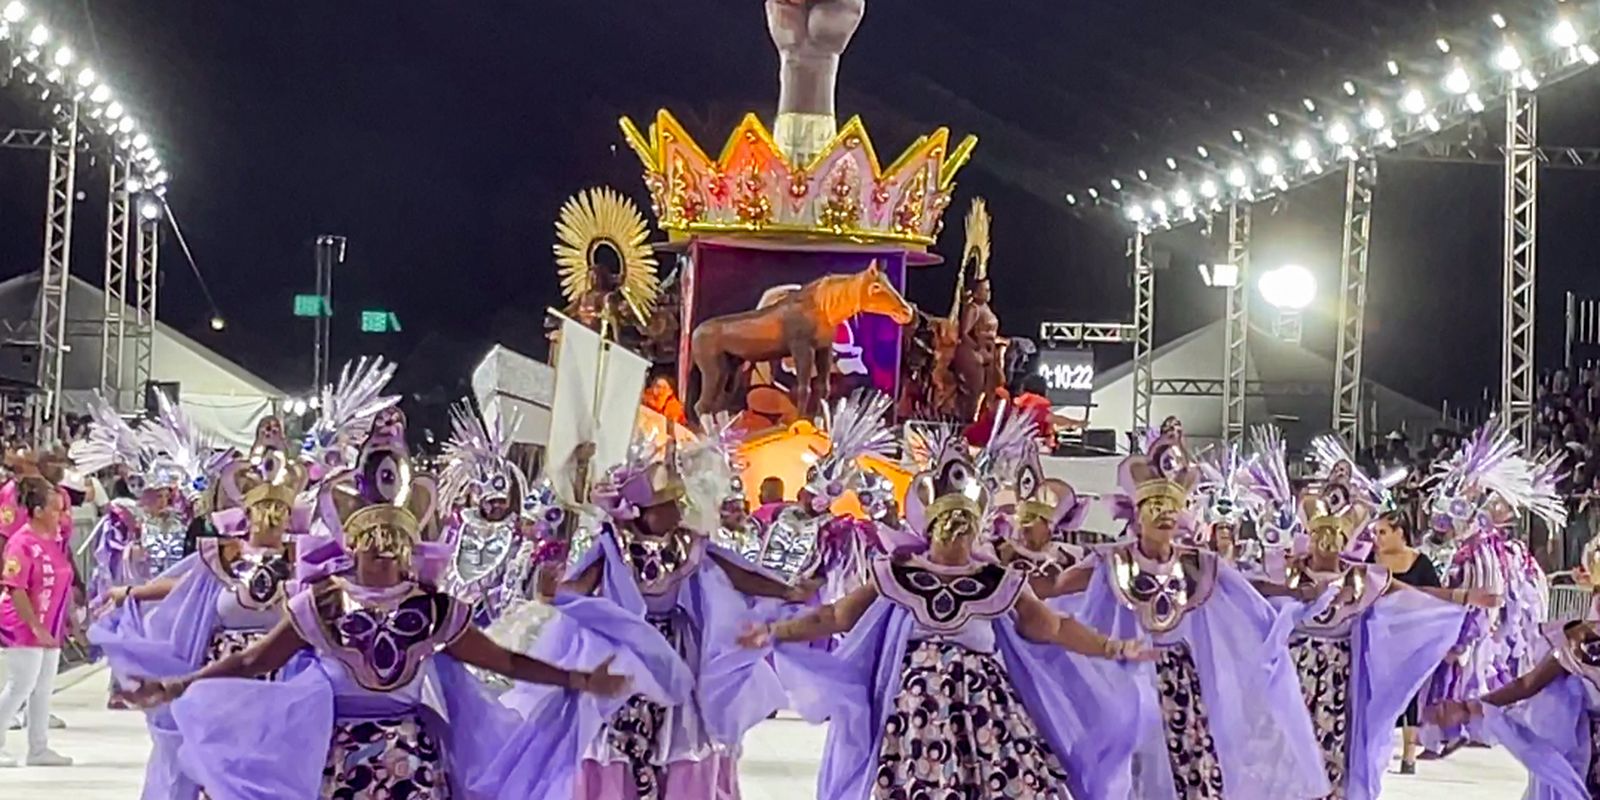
(780, 760)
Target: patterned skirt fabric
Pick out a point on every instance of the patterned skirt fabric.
(389, 759)
(1196, 770)
(959, 732)
(226, 642)
(635, 731)
(1324, 666)
(1592, 778)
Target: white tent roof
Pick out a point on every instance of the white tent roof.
(1198, 355)
(507, 382)
(221, 396)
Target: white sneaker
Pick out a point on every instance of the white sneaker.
(48, 758)
(18, 723)
(7, 760)
(57, 723)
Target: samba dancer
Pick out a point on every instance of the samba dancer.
(679, 737)
(1031, 531)
(952, 680)
(1231, 722)
(381, 641)
(1478, 496)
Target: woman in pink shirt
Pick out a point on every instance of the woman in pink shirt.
(36, 577)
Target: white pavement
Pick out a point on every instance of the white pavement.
(780, 761)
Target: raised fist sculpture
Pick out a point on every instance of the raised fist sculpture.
(810, 36)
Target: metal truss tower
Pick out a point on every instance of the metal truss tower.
(1236, 326)
(53, 277)
(113, 336)
(144, 313)
(1521, 261)
(1144, 318)
(1361, 178)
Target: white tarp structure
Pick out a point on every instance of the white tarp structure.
(221, 396)
(1198, 355)
(507, 383)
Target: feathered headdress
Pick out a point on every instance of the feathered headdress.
(348, 408)
(1013, 440)
(1278, 522)
(856, 428)
(111, 442)
(180, 454)
(950, 498)
(1225, 484)
(710, 469)
(1489, 479)
(476, 465)
(1334, 461)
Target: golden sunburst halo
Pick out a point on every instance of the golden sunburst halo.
(977, 248)
(600, 218)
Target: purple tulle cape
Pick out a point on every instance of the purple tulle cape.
(1549, 734)
(1088, 709)
(1262, 731)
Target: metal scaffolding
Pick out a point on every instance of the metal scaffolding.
(1521, 261)
(1361, 178)
(113, 334)
(53, 277)
(1144, 321)
(1236, 326)
(144, 313)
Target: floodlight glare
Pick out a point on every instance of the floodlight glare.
(1208, 188)
(1202, 151)
(1220, 276)
(114, 110)
(150, 210)
(14, 11)
(1072, 199)
(1288, 288)
(1172, 163)
(1588, 55)
(1458, 81)
(100, 94)
(39, 35)
(1272, 119)
(1414, 102)
(1350, 88)
(1116, 183)
(1310, 105)
(1393, 67)
(140, 141)
(1339, 133)
(1143, 176)
(86, 77)
(1431, 122)
(1237, 177)
(1475, 103)
(127, 125)
(1094, 194)
(218, 323)
(135, 185)
(161, 178)
(1374, 118)
(1135, 212)
(1564, 34)
(1158, 207)
(1498, 20)
(1182, 199)
(1443, 44)
(1508, 59)
(64, 56)
(1267, 165)
(1238, 136)
(1303, 150)
(1528, 80)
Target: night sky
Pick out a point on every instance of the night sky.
(442, 137)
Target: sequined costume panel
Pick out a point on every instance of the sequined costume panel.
(1162, 593)
(945, 600)
(1325, 667)
(634, 733)
(1196, 770)
(163, 538)
(386, 759)
(958, 730)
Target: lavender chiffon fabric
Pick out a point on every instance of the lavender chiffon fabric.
(733, 688)
(1089, 710)
(1259, 723)
(1549, 734)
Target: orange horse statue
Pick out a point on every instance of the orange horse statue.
(800, 327)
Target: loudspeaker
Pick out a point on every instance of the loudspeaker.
(152, 404)
(1102, 439)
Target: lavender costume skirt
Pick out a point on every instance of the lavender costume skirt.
(1325, 667)
(958, 730)
(1196, 769)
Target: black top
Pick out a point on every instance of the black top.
(1421, 573)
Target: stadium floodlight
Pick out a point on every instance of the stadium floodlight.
(1143, 176)
(1182, 199)
(1564, 34)
(39, 35)
(1350, 88)
(127, 124)
(114, 110)
(1220, 276)
(1094, 194)
(1475, 102)
(1303, 149)
(1237, 177)
(140, 141)
(1528, 80)
(86, 77)
(101, 94)
(150, 210)
(1443, 44)
(1272, 119)
(1508, 59)
(64, 56)
(1072, 199)
(14, 11)
(1208, 189)
(1158, 207)
(1414, 101)
(1116, 183)
(1498, 19)
(1339, 133)
(1288, 288)
(1431, 122)
(1202, 151)
(1588, 55)
(1267, 165)
(1457, 81)
(1374, 118)
(1135, 213)
(1393, 67)
(1172, 163)
(1238, 136)
(135, 184)
(1309, 105)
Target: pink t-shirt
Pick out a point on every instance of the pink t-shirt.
(41, 568)
(13, 517)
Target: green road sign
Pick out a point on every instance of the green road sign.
(312, 305)
(379, 321)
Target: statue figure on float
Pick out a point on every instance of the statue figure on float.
(810, 36)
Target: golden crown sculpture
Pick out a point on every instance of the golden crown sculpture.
(753, 188)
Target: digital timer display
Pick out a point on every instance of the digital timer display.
(1068, 374)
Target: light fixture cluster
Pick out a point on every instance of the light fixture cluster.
(1354, 122)
(48, 63)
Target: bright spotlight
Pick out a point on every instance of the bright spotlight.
(1414, 102)
(1143, 176)
(161, 178)
(1072, 199)
(1508, 59)
(1475, 102)
(1393, 67)
(1208, 189)
(1350, 88)
(1564, 34)
(1172, 163)
(1116, 183)
(1588, 55)
(1220, 276)
(1309, 105)
(1374, 118)
(1272, 119)
(135, 184)
(1458, 81)
(1528, 80)
(1339, 133)
(1237, 177)
(140, 141)
(1238, 136)
(127, 125)
(39, 35)
(1182, 199)
(1288, 288)
(1201, 150)
(114, 110)
(86, 77)
(218, 323)
(1443, 44)
(1094, 194)
(1268, 165)
(100, 94)
(1134, 213)
(1498, 20)
(150, 210)
(1431, 122)
(64, 56)
(1303, 150)
(14, 11)
(1158, 207)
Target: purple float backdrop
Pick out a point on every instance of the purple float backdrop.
(726, 279)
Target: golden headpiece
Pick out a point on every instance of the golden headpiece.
(1166, 471)
(269, 476)
(387, 529)
(949, 499)
(1334, 516)
(599, 219)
